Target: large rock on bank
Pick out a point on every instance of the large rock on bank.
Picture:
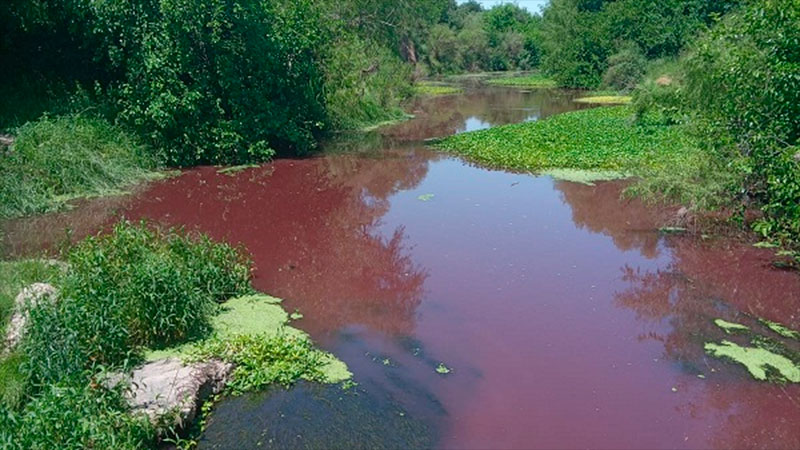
(170, 392)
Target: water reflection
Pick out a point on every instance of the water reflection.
(677, 304)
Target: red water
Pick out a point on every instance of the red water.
(567, 319)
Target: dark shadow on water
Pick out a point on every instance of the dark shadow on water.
(314, 416)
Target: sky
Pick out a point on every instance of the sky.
(531, 5)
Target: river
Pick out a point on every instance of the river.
(566, 319)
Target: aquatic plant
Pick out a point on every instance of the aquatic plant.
(594, 139)
(758, 361)
(730, 327)
(780, 329)
(425, 197)
(441, 369)
(605, 99)
(523, 81)
(264, 359)
(433, 89)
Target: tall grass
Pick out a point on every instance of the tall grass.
(55, 159)
(132, 288)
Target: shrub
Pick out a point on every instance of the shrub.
(659, 97)
(364, 82)
(741, 87)
(625, 68)
(134, 287)
(54, 159)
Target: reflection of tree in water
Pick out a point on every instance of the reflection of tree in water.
(678, 303)
(600, 208)
(312, 228)
(446, 115)
(735, 282)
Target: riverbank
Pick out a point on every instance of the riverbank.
(54, 160)
(134, 296)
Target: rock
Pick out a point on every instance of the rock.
(797, 156)
(28, 298)
(6, 140)
(171, 392)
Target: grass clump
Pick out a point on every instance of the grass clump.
(56, 159)
(595, 139)
(524, 81)
(135, 287)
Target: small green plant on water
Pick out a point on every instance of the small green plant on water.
(441, 369)
(261, 360)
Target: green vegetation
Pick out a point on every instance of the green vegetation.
(730, 327)
(586, 43)
(56, 159)
(469, 38)
(134, 288)
(758, 361)
(523, 81)
(265, 359)
(781, 329)
(75, 415)
(441, 369)
(605, 99)
(595, 139)
(15, 275)
(430, 88)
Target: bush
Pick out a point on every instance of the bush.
(364, 82)
(659, 98)
(625, 69)
(135, 287)
(741, 87)
(55, 159)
